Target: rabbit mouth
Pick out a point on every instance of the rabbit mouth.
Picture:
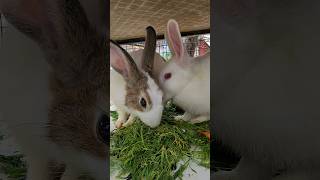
(152, 118)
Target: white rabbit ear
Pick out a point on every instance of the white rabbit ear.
(118, 60)
(174, 39)
(123, 63)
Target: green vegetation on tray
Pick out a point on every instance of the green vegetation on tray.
(13, 166)
(140, 151)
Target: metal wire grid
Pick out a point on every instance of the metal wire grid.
(128, 18)
(194, 45)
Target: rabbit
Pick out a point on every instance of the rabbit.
(186, 79)
(267, 88)
(132, 87)
(54, 87)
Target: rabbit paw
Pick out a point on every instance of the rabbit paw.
(122, 118)
(130, 121)
(119, 123)
(199, 119)
(185, 117)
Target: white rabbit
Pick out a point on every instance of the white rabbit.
(267, 87)
(186, 79)
(132, 88)
(54, 89)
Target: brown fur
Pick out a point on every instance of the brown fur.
(76, 51)
(134, 92)
(80, 73)
(56, 170)
(72, 118)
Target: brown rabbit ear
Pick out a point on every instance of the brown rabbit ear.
(81, 49)
(238, 7)
(149, 50)
(73, 47)
(28, 16)
(123, 63)
(97, 13)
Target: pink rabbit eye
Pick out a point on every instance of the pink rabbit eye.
(167, 76)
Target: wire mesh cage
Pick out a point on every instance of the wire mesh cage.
(196, 45)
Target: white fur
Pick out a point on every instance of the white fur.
(24, 102)
(118, 92)
(267, 93)
(151, 118)
(189, 85)
(84, 163)
(194, 95)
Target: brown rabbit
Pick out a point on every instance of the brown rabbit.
(57, 113)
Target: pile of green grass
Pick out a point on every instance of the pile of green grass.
(140, 151)
(13, 166)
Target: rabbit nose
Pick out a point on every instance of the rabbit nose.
(103, 128)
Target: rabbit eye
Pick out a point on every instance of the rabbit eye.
(167, 76)
(103, 128)
(143, 103)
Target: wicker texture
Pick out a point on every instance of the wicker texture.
(129, 18)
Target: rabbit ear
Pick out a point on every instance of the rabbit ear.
(79, 47)
(28, 16)
(97, 13)
(123, 63)
(75, 49)
(149, 50)
(174, 39)
(238, 7)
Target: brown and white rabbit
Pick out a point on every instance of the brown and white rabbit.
(132, 87)
(186, 79)
(54, 86)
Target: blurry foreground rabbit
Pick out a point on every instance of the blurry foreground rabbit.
(267, 88)
(54, 85)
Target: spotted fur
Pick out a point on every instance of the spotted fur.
(132, 79)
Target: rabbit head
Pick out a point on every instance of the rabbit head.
(178, 71)
(75, 47)
(143, 96)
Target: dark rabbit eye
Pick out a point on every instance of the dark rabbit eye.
(143, 103)
(167, 76)
(103, 128)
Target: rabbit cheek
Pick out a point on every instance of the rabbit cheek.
(135, 97)
(74, 124)
(137, 93)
